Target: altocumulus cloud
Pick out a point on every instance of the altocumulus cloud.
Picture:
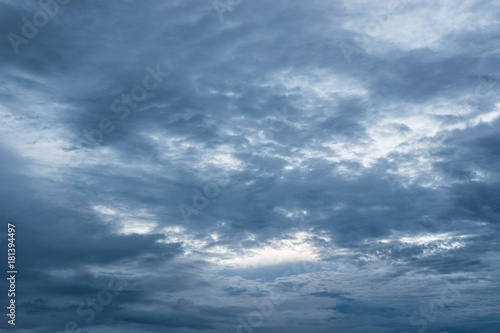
(357, 140)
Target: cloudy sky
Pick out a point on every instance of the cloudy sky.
(251, 166)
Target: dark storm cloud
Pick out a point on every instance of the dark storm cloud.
(381, 172)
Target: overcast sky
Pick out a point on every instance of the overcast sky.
(252, 166)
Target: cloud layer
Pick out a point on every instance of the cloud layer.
(304, 166)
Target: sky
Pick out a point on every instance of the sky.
(251, 166)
